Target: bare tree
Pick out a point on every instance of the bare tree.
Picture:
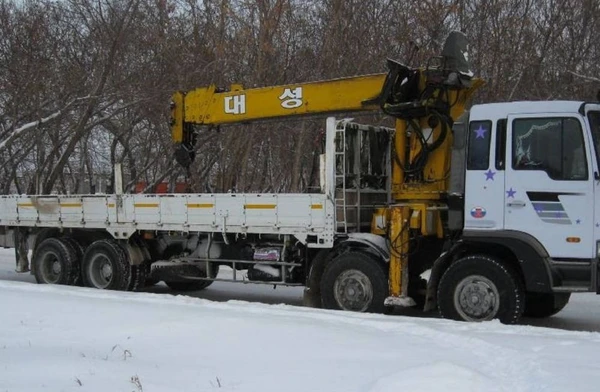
(86, 84)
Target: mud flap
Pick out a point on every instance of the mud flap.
(21, 257)
(439, 266)
(311, 299)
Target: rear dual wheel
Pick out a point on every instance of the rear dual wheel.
(103, 265)
(56, 261)
(106, 266)
(79, 250)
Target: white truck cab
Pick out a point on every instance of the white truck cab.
(524, 191)
(532, 168)
(523, 211)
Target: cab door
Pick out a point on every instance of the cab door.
(549, 186)
(592, 114)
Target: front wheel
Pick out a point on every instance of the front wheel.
(479, 288)
(356, 282)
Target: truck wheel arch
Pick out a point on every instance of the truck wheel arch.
(41, 235)
(519, 250)
(367, 242)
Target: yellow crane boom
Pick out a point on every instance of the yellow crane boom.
(209, 106)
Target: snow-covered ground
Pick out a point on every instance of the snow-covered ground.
(55, 338)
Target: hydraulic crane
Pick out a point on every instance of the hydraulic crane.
(424, 102)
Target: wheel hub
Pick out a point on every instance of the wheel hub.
(56, 267)
(106, 271)
(100, 271)
(476, 298)
(353, 291)
(51, 268)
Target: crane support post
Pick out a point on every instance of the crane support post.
(400, 217)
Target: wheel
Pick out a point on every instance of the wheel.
(356, 282)
(479, 288)
(193, 285)
(106, 266)
(541, 305)
(55, 262)
(79, 250)
(138, 277)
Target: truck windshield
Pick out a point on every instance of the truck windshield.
(594, 118)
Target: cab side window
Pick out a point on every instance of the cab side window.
(594, 118)
(500, 144)
(552, 145)
(478, 157)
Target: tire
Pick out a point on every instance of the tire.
(106, 266)
(79, 251)
(479, 288)
(193, 285)
(138, 278)
(55, 262)
(542, 305)
(356, 282)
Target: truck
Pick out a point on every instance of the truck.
(481, 213)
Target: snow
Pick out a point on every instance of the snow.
(17, 132)
(56, 338)
(268, 270)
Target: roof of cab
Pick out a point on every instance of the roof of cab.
(503, 109)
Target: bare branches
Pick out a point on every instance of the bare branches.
(125, 58)
(35, 124)
(588, 78)
(17, 132)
